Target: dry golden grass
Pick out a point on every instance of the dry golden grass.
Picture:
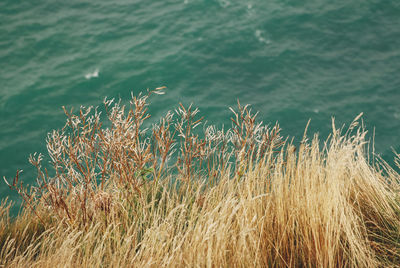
(177, 197)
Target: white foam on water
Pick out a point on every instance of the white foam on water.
(95, 73)
(260, 38)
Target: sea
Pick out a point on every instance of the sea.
(293, 61)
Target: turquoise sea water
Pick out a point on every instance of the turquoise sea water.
(291, 60)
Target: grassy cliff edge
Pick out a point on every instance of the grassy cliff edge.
(182, 193)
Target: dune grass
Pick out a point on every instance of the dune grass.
(182, 193)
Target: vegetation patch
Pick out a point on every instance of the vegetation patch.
(183, 193)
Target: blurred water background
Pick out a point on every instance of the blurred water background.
(291, 60)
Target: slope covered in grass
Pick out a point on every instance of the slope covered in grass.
(176, 195)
